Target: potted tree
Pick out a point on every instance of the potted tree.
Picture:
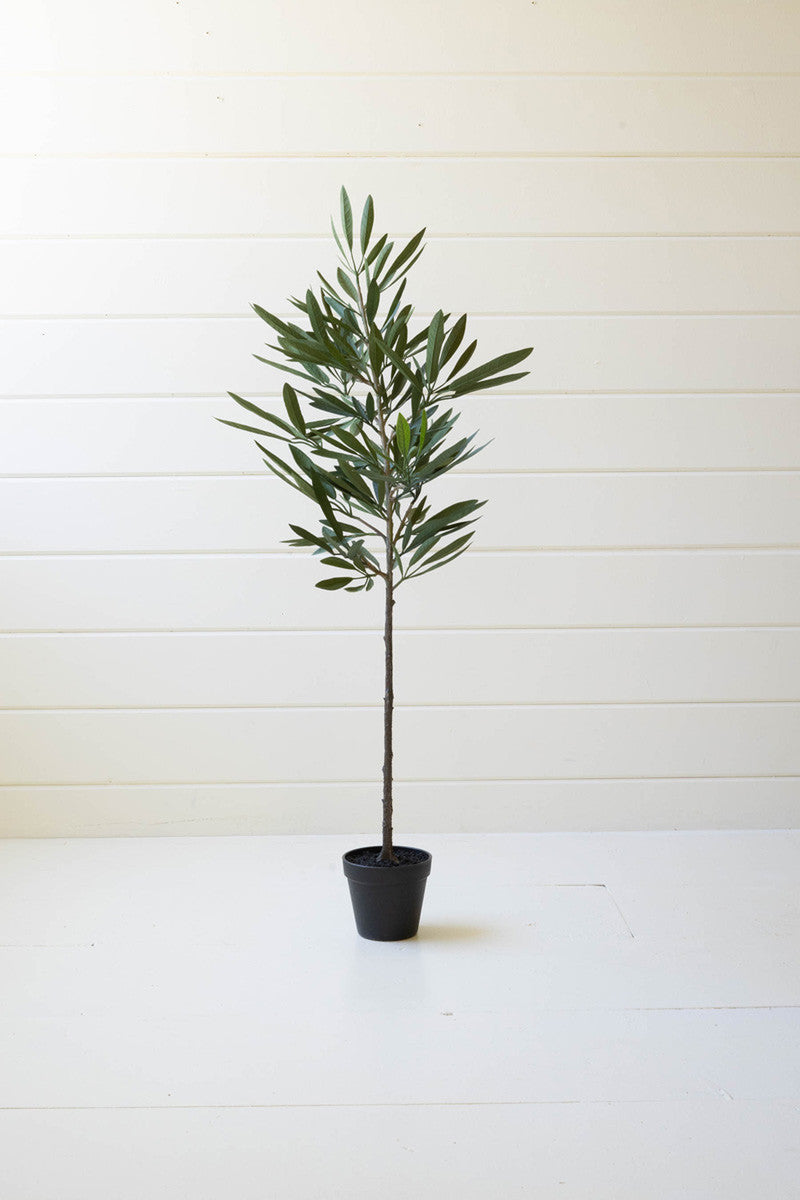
(382, 388)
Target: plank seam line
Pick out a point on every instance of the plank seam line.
(376, 630)
(510, 315)
(492, 781)
(480, 235)
(361, 706)
(416, 156)
(754, 548)
(78, 73)
(515, 472)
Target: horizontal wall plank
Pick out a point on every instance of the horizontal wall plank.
(249, 198)
(586, 354)
(528, 433)
(429, 807)
(561, 590)
(252, 514)
(419, 115)
(307, 745)
(486, 667)
(86, 277)
(627, 35)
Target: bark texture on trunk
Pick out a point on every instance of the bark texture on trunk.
(387, 852)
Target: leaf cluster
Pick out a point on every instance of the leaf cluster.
(366, 423)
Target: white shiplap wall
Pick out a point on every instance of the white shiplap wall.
(616, 183)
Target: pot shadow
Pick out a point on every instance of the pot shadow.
(453, 933)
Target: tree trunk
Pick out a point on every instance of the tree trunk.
(387, 852)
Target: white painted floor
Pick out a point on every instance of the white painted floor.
(582, 1017)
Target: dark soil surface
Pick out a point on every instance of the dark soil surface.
(369, 855)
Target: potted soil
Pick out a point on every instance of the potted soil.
(373, 431)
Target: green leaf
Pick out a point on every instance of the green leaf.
(321, 497)
(497, 381)
(311, 375)
(347, 217)
(334, 583)
(293, 407)
(464, 359)
(337, 562)
(252, 429)
(260, 412)
(435, 335)
(423, 429)
(305, 536)
(347, 284)
(355, 480)
(367, 218)
(403, 435)
(424, 568)
(376, 249)
(453, 340)
(448, 516)
(394, 359)
(492, 367)
(285, 472)
(304, 463)
(274, 322)
(403, 257)
(449, 548)
(373, 300)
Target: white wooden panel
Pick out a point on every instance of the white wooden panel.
(253, 745)
(421, 808)
(419, 115)
(529, 433)
(480, 667)
(727, 1149)
(190, 357)
(248, 197)
(186, 276)
(250, 35)
(489, 590)
(253, 514)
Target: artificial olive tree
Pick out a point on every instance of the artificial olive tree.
(383, 387)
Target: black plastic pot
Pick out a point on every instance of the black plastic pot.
(387, 897)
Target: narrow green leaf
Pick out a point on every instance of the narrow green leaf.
(252, 429)
(311, 538)
(449, 548)
(260, 412)
(403, 257)
(403, 435)
(394, 359)
(321, 497)
(285, 472)
(442, 563)
(274, 322)
(305, 464)
(337, 562)
(492, 367)
(367, 218)
(457, 389)
(376, 249)
(293, 407)
(453, 340)
(435, 335)
(347, 217)
(334, 583)
(464, 359)
(373, 300)
(448, 516)
(423, 429)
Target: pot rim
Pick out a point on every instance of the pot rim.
(379, 874)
